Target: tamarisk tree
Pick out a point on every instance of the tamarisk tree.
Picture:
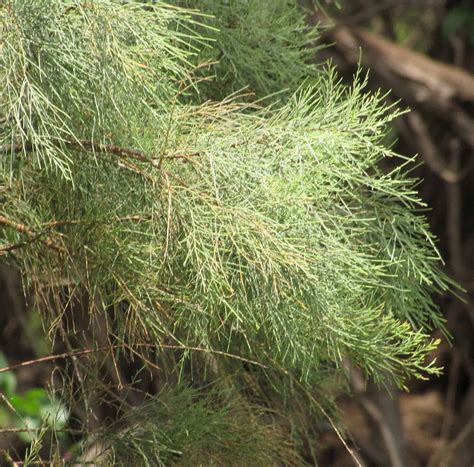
(200, 216)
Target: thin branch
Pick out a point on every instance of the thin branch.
(99, 147)
(111, 149)
(23, 229)
(34, 236)
(80, 353)
(16, 246)
(134, 217)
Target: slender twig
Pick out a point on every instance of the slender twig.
(133, 217)
(16, 225)
(16, 246)
(50, 358)
(23, 229)
(100, 147)
(33, 236)
(80, 353)
(111, 149)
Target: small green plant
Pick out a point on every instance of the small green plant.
(30, 411)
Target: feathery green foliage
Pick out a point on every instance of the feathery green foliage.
(68, 68)
(264, 243)
(183, 426)
(260, 47)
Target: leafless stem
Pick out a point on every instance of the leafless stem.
(80, 353)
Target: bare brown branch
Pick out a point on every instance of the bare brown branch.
(33, 236)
